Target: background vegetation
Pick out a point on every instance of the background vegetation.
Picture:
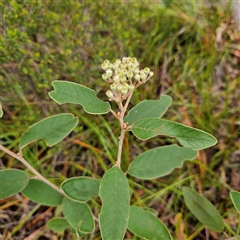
(193, 50)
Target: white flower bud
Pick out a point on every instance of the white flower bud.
(134, 60)
(129, 59)
(119, 87)
(123, 79)
(105, 77)
(109, 94)
(109, 73)
(110, 65)
(137, 77)
(136, 71)
(124, 60)
(106, 61)
(129, 74)
(124, 91)
(118, 72)
(131, 67)
(123, 65)
(124, 71)
(143, 76)
(125, 85)
(104, 66)
(146, 70)
(118, 62)
(114, 66)
(113, 86)
(151, 74)
(116, 79)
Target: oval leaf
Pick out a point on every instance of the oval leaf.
(12, 181)
(146, 225)
(203, 210)
(187, 136)
(69, 92)
(235, 196)
(79, 215)
(38, 191)
(160, 161)
(52, 129)
(81, 188)
(58, 224)
(148, 109)
(115, 195)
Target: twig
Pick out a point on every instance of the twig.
(35, 172)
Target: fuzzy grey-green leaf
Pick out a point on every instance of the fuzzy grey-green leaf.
(38, 191)
(69, 92)
(144, 224)
(160, 161)
(115, 195)
(79, 215)
(12, 181)
(203, 210)
(81, 188)
(52, 129)
(148, 109)
(187, 136)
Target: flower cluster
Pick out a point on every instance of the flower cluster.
(124, 76)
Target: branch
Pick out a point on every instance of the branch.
(34, 171)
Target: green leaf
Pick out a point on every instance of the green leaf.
(187, 136)
(81, 188)
(115, 196)
(69, 92)
(58, 224)
(79, 215)
(160, 161)
(38, 191)
(148, 109)
(203, 210)
(12, 181)
(146, 225)
(52, 129)
(235, 196)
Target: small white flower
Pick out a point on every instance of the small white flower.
(119, 87)
(129, 74)
(151, 74)
(146, 70)
(109, 94)
(137, 77)
(105, 77)
(124, 91)
(123, 79)
(109, 73)
(113, 86)
(116, 79)
(143, 76)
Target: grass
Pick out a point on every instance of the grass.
(68, 40)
